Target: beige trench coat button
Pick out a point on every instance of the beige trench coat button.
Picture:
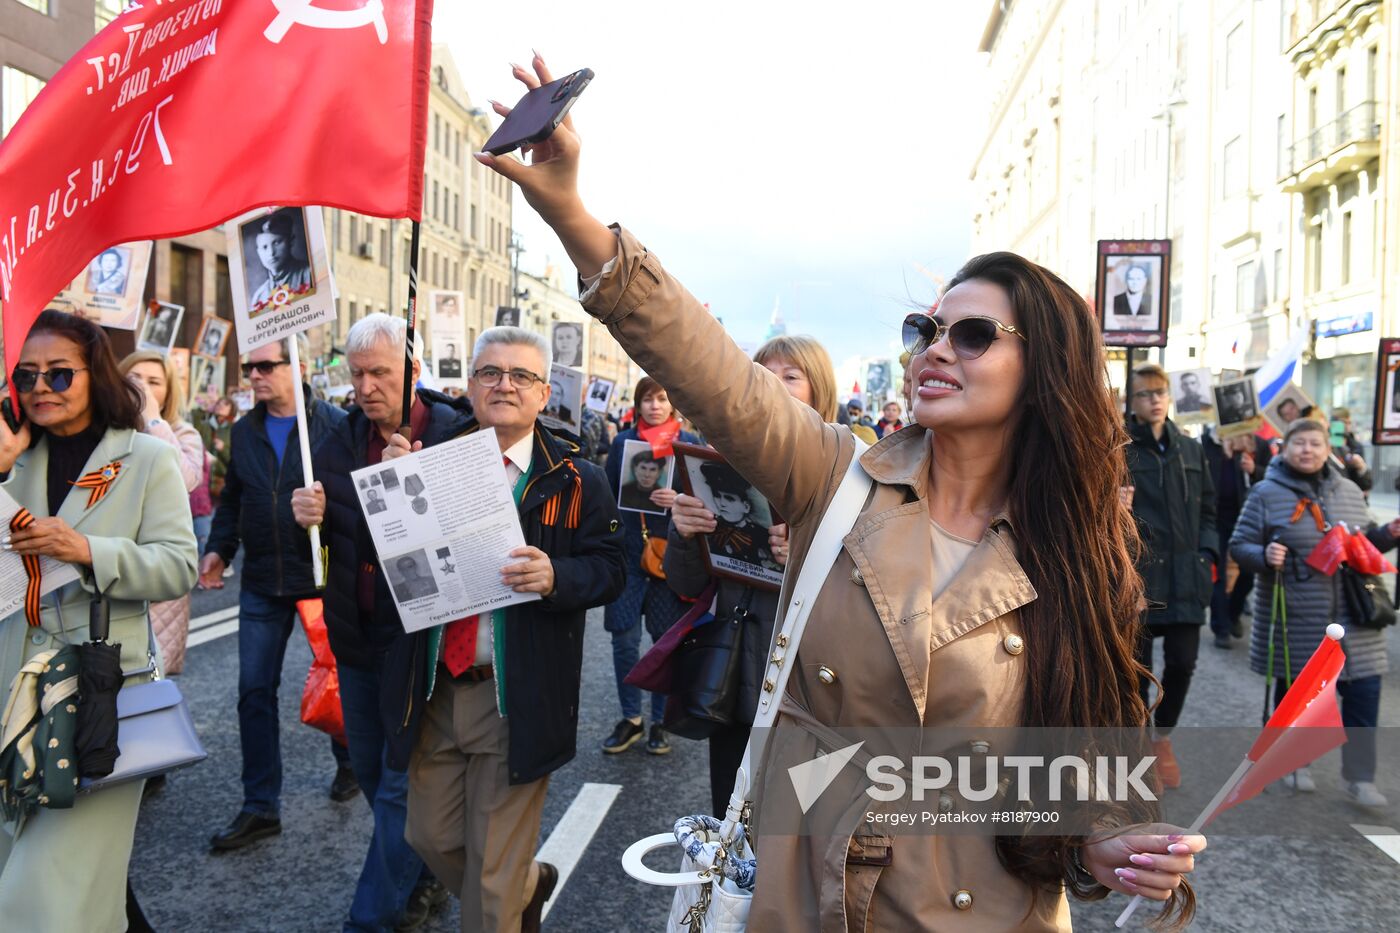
(963, 899)
(1014, 644)
(826, 675)
(857, 577)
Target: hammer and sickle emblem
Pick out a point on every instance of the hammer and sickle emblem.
(292, 12)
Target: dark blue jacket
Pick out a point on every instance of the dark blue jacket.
(566, 511)
(359, 635)
(255, 510)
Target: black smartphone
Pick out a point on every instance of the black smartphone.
(7, 409)
(538, 113)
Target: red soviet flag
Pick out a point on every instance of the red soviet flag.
(182, 114)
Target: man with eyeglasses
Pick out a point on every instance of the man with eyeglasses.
(394, 891)
(264, 468)
(1173, 499)
(491, 702)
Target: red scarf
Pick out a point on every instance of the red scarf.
(659, 436)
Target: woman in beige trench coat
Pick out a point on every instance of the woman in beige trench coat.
(990, 566)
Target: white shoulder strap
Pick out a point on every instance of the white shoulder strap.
(836, 523)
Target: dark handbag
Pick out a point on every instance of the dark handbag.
(705, 675)
(654, 669)
(1367, 601)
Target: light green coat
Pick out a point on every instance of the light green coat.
(143, 549)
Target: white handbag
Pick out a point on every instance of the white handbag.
(714, 887)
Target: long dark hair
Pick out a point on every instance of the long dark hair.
(1078, 547)
(114, 401)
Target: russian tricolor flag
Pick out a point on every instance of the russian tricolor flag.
(1270, 378)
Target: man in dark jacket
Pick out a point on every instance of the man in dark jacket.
(495, 697)
(361, 619)
(256, 512)
(1173, 500)
(1236, 464)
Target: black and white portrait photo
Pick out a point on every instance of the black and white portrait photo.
(599, 395)
(738, 547)
(564, 408)
(449, 365)
(1237, 407)
(877, 381)
(161, 325)
(374, 501)
(567, 339)
(276, 267)
(213, 335)
(1287, 406)
(643, 473)
(1191, 396)
(1132, 288)
(411, 576)
(1133, 291)
(109, 272)
(449, 332)
(507, 317)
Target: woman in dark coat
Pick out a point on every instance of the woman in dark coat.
(806, 371)
(1273, 538)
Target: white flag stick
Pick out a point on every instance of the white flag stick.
(318, 565)
(1195, 827)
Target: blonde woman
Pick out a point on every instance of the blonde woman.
(164, 419)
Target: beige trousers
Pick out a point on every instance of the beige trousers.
(475, 831)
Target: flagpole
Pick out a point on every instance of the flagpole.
(405, 425)
(1219, 798)
(318, 563)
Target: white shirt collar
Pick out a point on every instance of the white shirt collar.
(522, 452)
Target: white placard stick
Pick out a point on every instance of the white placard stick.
(318, 563)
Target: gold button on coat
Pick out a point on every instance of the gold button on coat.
(857, 577)
(1014, 644)
(826, 675)
(963, 899)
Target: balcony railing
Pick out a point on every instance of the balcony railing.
(1359, 124)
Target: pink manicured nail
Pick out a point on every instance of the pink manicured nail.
(1175, 837)
(1126, 874)
(1139, 859)
(1180, 848)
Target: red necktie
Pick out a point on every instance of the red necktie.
(459, 639)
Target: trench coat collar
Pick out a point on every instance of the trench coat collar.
(115, 444)
(902, 457)
(891, 549)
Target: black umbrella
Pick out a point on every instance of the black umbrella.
(99, 680)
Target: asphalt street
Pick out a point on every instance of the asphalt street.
(303, 879)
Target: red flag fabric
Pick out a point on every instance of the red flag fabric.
(182, 114)
(1329, 553)
(1363, 557)
(1306, 725)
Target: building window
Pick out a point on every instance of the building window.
(1312, 108)
(1214, 291)
(473, 233)
(1312, 242)
(1232, 168)
(1244, 288)
(1278, 275)
(471, 284)
(17, 90)
(106, 10)
(1372, 58)
(1346, 248)
(335, 230)
(1281, 140)
(354, 233)
(40, 6)
(1341, 91)
(1236, 57)
(384, 247)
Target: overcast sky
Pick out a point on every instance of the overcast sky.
(813, 154)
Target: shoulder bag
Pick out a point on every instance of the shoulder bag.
(714, 887)
(653, 553)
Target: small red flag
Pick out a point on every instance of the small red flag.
(181, 115)
(1306, 725)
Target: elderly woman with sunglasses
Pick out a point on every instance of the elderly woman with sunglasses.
(990, 566)
(110, 501)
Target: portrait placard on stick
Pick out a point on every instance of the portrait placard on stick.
(280, 274)
(1287, 406)
(643, 473)
(564, 408)
(449, 327)
(110, 289)
(599, 395)
(213, 336)
(738, 547)
(1386, 430)
(1237, 407)
(159, 329)
(1133, 292)
(567, 339)
(1191, 397)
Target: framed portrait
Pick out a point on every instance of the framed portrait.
(160, 327)
(1237, 407)
(110, 290)
(642, 474)
(1191, 397)
(1386, 430)
(449, 330)
(206, 381)
(1133, 291)
(279, 274)
(564, 409)
(738, 547)
(1287, 406)
(507, 317)
(599, 394)
(566, 337)
(180, 359)
(878, 386)
(213, 336)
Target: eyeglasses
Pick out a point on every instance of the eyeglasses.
(59, 378)
(969, 337)
(264, 367)
(490, 377)
(1150, 393)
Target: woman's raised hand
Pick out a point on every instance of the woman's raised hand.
(549, 180)
(12, 444)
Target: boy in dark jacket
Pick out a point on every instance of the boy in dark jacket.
(1173, 500)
